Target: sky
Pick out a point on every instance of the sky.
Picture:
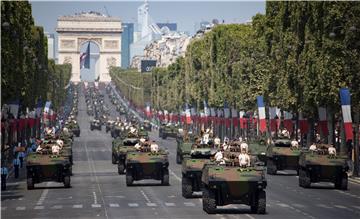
(187, 14)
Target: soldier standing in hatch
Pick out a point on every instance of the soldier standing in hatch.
(16, 163)
(4, 173)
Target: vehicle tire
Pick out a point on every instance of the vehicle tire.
(165, 178)
(261, 203)
(129, 178)
(113, 160)
(91, 128)
(121, 168)
(178, 158)
(186, 187)
(271, 167)
(344, 182)
(30, 183)
(67, 181)
(209, 201)
(163, 136)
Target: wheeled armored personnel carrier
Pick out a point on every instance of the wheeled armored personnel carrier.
(281, 156)
(147, 125)
(147, 165)
(168, 130)
(232, 184)
(119, 150)
(47, 167)
(74, 127)
(109, 125)
(95, 124)
(258, 149)
(192, 167)
(319, 166)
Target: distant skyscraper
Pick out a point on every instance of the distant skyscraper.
(127, 38)
(171, 26)
(51, 45)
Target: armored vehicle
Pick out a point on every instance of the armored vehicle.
(183, 149)
(281, 156)
(168, 130)
(74, 127)
(109, 125)
(192, 168)
(120, 149)
(90, 111)
(258, 149)
(47, 167)
(232, 184)
(319, 166)
(95, 124)
(147, 125)
(147, 165)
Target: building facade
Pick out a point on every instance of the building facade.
(127, 37)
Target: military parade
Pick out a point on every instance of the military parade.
(248, 119)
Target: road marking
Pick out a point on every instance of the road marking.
(249, 216)
(151, 204)
(169, 204)
(176, 177)
(57, 207)
(324, 206)
(39, 207)
(43, 195)
(133, 205)
(114, 205)
(20, 208)
(77, 206)
(96, 206)
(356, 206)
(95, 198)
(145, 196)
(114, 196)
(340, 206)
(298, 205)
(189, 204)
(283, 205)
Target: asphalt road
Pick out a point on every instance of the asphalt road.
(97, 191)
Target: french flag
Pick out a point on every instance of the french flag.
(148, 111)
(38, 108)
(234, 115)
(346, 112)
(242, 119)
(206, 113)
(188, 115)
(226, 115)
(14, 108)
(323, 120)
(262, 116)
(303, 123)
(212, 115)
(288, 124)
(273, 122)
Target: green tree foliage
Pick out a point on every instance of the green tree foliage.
(26, 73)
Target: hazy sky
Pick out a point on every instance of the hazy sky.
(185, 13)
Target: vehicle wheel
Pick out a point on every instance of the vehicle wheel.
(121, 168)
(209, 201)
(113, 160)
(129, 178)
(67, 181)
(178, 158)
(305, 179)
(165, 178)
(341, 182)
(261, 203)
(91, 128)
(271, 167)
(164, 136)
(186, 187)
(30, 183)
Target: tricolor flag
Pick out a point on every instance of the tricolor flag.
(148, 111)
(38, 108)
(206, 113)
(346, 112)
(188, 115)
(193, 114)
(272, 116)
(323, 121)
(288, 121)
(242, 120)
(226, 115)
(166, 116)
(212, 115)
(262, 116)
(14, 108)
(303, 123)
(234, 115)
(85, 58)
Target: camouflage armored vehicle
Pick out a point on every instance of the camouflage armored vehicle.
(116, 130)
(147, 125)
(120, 150)
(258, 149)
(168, 130)
(95, 124)
(74, 127)
(90, 111)
(319, 166)
(47, 167)
(183, 149)
(192, 168)
(109, 125)
(147, 165)
(281, 156)
(231, 184)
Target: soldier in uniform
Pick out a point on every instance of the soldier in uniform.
(244, 147)
(294, 144)
(4, 173)
(244, 159)
(313, 147)
(16, 164)
(332, 151)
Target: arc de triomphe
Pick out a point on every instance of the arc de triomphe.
(105, 32)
